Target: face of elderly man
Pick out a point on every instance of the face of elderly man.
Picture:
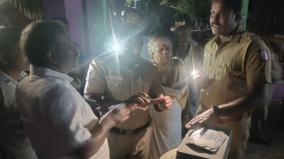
(162, 54)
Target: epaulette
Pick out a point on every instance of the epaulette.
(259, 42)
(248, 37)
(104, 59)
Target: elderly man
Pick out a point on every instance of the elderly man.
(14, 143)
(237, 66)
(118, 77)
(167, 125)
(59, 122)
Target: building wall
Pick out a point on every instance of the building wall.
(54, 9)
(266, 16)
(74, 16)
(71, 12)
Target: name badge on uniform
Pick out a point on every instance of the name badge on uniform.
(264, 55)
(116, 78)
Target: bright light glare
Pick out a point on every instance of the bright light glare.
(116, 47)
(195, 74)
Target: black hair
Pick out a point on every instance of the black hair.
(235, 5)
(9, 38)
(38, 38)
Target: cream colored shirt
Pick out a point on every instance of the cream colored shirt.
(55, 115)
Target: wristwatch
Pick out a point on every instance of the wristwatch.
(216, 110)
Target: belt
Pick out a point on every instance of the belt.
(132, 131)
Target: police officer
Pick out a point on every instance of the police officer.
(117, 78)
(237, 75)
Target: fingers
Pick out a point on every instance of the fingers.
(145, 97)
(192, 122)
(144, 94)
(158, 100)
(199, 119)
(202, 120)
(168, 102)
(188, 126)
(141, 99)
(115, 116)
(120, 115)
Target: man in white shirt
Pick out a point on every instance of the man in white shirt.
(58, 121)
(14, 142)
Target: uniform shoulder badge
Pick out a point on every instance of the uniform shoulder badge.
(264, 55)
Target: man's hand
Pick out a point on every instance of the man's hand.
(167, 101)
(162, 103)
(115, 117)
(100, 131)
(199, 119)
(140, 100)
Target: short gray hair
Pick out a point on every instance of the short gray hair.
(38, 38)
(152, 43)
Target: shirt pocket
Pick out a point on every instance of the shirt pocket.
(115, 86)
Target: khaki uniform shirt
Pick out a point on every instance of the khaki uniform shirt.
(119, 79)
(233, 67)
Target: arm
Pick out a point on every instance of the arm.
(156, 91)
(95, 89)
(100, 132)
(258, 77)
(256, 97)
(67, 116)
(99, 102)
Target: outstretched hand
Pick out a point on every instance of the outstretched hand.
(162, 103)
(115, 116)
(167, 101)
(201, 118)
(139, 100)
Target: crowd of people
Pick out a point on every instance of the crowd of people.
(144, 105)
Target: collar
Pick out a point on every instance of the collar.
(46, 72)
(234, 37)
(6, 78)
